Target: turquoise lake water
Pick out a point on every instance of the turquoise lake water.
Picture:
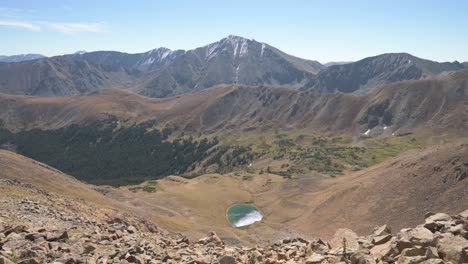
(243, 214)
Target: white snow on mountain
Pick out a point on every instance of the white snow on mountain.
(263, 50)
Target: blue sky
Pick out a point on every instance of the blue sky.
(330, 30)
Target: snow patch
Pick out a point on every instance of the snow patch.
(263, 49)
(385, 127)
(244, 48)
(367, 132)
(240, 45)
(149, 61)
(249, 219)
(165, 54)
(211, 50)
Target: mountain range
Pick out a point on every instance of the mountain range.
(21, 57)
(176, 137)
(233, 60)
(437, 103)
(375, 71)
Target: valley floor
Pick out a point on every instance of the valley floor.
(41, 227)
(398, 191)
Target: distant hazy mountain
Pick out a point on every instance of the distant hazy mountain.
(147, 61)
(61, 75)
(232, 60)
(331, 63)
(21, 57)
(465, 64)
(375, 71)
(162, 72)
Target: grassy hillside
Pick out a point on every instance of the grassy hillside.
(106, 153)
(114, 153)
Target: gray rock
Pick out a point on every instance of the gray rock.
(4, 260)
(381, 239)
(227, 260)
(131, 229)
(360, 258)
(314, 259)
(420, 236)
(382, 230)
(384, 250)
(352, 244)
(438, 217)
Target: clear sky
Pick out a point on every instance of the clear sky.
(328, 30)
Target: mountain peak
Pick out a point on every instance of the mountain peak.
(159, 50)
(236, 38)
(80, 52)
(235, 41)
(373, 72)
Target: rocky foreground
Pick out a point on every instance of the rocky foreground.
(39, 227)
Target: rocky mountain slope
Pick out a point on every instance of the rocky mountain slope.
(21, 57)
(331, 63)
(232, 60)
(61, 75)
(431, 104)
(159, 72)
(38, 225)
(373, 72)
(147, 61)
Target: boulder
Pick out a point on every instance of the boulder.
(33, 236)
(319, 246)
(464, 214)
(402, 244)
(314, 259)
(4, 260)
(452, 248)
(420, 236)
(131, 229)
(381, 239)
(88, 249)
(352, 244)
(360, 258)
(211, 238)
(17, 229)
(433, 261)
(283, 256)
(384, 250)
(227, 260)
(382, 230)
(51, 237)
(438, 221)
(30, 261)
(439, 217)
(413, 252)
(431, 252)
(411, 260)
(135, 259)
